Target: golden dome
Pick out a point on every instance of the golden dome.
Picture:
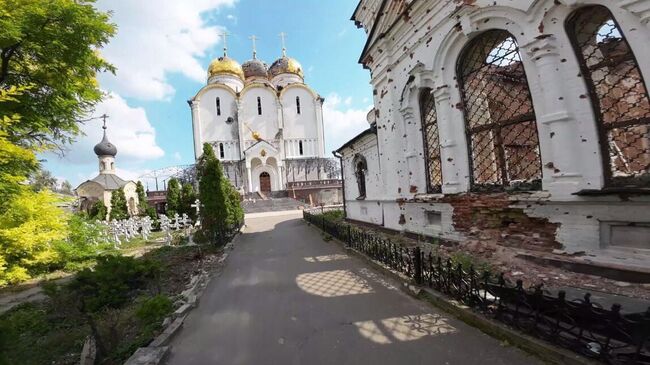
(225, 65)
(286, 65)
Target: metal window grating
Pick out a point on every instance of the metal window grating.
(618, 95)
(499, 115)
(431, 141)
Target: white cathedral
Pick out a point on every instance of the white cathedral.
(265, 123)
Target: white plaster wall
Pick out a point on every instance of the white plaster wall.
(213, 126)
(266, 124)
(425, 51)
(303, 125)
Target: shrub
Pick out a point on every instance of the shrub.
(113, 282)
(333, 215)
(85, 241)
(154, 310)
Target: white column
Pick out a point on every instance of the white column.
(453, 144)
(318, 108)
(556, 126)
(250, 179)
(196, 128)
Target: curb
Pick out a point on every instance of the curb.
(538, 348)
(157, 350)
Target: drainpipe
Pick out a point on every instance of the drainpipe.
(340, 157)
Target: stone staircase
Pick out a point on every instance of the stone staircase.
(272, 205)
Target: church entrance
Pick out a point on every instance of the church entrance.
(265, 182)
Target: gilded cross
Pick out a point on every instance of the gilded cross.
(104, 117)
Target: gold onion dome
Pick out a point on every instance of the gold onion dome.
(225, 65)
(286, 65)
(255, 68)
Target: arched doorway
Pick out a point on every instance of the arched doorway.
(265, 182)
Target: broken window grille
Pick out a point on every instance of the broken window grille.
(431, 141)
(618, 95)
(499, 115)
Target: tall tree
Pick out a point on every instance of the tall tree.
(16, 162)
(119, 209)
(66, 188)
(188, 196)
(42, 179)
(142, 198)
(173, 197)
(51, 46)
(214, 214)
(98, 211)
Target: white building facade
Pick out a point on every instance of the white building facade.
(521, 123)
(264, 123)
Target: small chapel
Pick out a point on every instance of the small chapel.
(265, 123)
(102, 186)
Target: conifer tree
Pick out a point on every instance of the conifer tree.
(188, 196)
(98, 211)
(143, 206)
(119, 209)
(214, 213)
(173, 197)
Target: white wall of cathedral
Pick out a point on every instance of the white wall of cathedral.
(426, 50)
(216, 105)
(265, 123)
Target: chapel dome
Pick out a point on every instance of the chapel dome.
(105, 147)
(255, 68)
(225, 65)
(286, 65)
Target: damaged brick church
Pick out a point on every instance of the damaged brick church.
(521, 123)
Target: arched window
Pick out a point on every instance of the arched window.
(360, 168)
(218, 102)
(222, 153)
(112, 165)
(429, 122)
(499, 116)
(298, 104)
(259, 106)
(618, 95)
(300, 150)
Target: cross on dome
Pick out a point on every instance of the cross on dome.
(254, 38)
(225, 35)
(283, 35)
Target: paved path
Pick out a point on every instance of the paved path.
(288, 297)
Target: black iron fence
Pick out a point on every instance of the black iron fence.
(580, 325)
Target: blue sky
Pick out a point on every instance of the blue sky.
(162, 51)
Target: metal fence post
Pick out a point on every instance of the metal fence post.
(417, 262)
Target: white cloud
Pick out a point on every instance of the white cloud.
(232, 18)
(128, 129)
(342, 122)
(156, 38)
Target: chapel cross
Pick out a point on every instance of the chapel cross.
(104, 117)
(225, 35)
(254, 38)
(283, 35)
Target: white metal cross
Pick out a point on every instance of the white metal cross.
(254, 38)
(283, 35)
(225, 35)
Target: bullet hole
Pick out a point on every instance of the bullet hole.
(563, 60)
(402, 219)
(560, 98)
(583, 96)
(552, 134)
(413, 189)
(590, 216)
(549, 165)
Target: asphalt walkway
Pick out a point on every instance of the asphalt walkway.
(286, 296)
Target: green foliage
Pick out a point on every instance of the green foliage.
(173, 197)
(113, 282)
(333, 215)
(143, 205)
(33, 326)
(85, 240)
(28, 234)
(51, 46)
(16, 162)
(466, 261)
(214, 214)
(188, 197)
(98, 211)
(66, 188)
(154, 310)
(119, 209)
(42, 179)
